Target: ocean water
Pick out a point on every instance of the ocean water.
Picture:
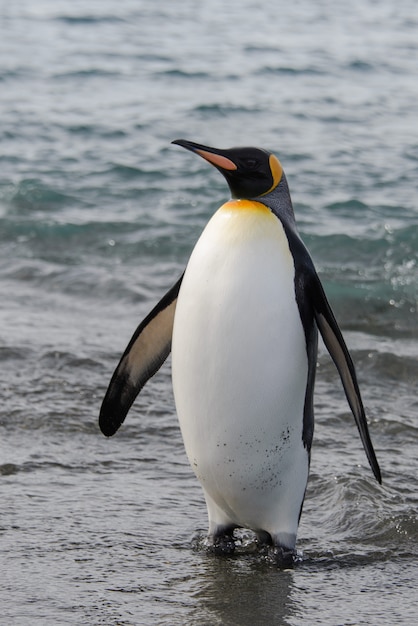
(98, 215)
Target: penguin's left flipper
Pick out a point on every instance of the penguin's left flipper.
(335, 344)
(146, 352)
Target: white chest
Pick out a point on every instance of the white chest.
(239, 354)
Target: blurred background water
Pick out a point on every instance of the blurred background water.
(98, 215)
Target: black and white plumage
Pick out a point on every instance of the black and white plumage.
(242, 324)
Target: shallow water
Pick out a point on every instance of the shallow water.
(98, 214)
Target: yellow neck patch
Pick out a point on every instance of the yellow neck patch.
(245, 205)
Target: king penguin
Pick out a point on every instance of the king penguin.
(242, 324)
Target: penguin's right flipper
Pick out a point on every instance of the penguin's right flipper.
(334, 341)
(146, 352)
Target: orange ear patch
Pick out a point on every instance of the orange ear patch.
(276, 169)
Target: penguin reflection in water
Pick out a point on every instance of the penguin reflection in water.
(242, 326)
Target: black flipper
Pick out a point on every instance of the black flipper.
(338, 350)
(146, 352)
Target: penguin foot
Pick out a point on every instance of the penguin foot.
(222, 543)
(282, 557)
(264, 539)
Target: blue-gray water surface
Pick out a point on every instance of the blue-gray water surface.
(98, 215)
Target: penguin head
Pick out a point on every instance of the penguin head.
(249, 172)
